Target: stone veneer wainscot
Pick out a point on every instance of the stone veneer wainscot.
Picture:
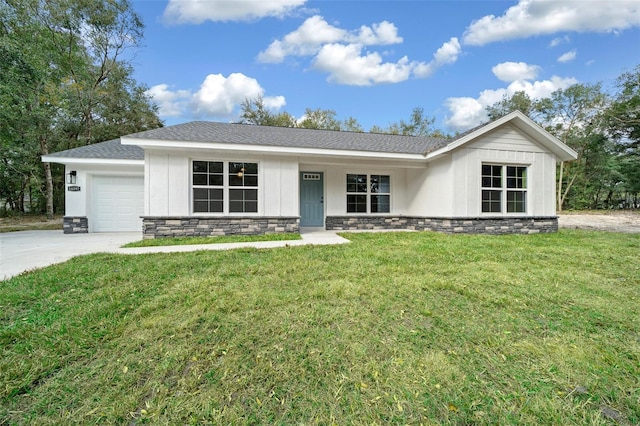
(488, 225)
(206, 226)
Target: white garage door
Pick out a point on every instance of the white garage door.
(118, 203)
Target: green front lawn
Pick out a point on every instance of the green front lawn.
(401, 328)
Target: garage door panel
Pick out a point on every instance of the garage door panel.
(118, 203)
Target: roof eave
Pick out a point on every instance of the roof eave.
(267, 149)
(91, 161)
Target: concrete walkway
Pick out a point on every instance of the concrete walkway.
(26, 250)
(317, 238)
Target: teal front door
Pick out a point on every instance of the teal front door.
(311, 199)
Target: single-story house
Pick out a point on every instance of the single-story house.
(207, 178)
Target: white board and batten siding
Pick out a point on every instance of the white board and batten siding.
(505, 145)
(168, 182)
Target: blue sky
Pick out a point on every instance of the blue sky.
(377, 60)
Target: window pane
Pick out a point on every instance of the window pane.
(236, 206)
(380, 204)
(200, 206)
(235, 168)
(215, 167)
(199, 179)
(356, 203)
(215, 194)
(199, 193)
(385, 184)
(243, 200)
(251, 194)
(200, 166)
(235, 180)
(215, 180)
(236, 195)
(491, 201)
(251, 181)
(516, 177)
(251, 207)
(491, 176)
(516, 201)
(379, 184)
(251, 168)
(357, 183)
(207, 200)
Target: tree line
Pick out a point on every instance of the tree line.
(66, 80)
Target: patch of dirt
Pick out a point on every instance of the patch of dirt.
(616, 221)
(29, 222)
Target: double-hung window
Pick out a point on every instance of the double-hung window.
(225, 187)
(368, 193)
(504, 188)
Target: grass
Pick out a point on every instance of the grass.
(399, 328)
(212, 240)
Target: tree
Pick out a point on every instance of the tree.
(324, 119)
(66, 82)
(418, 125)
(573, 116)
(519, 101)
(622, 119)
(255, 112)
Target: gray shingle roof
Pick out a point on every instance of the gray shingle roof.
(109, 150)
(247, 134)
(204, 131)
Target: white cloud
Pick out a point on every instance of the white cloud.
(315, 32)
(536, 17)
(446, 54)
(339, 53)
(512, 71)
(568, 57)
(170, 103)
(467, 112)
(305, 41)
(346, 65)
(218, 96)
(199, 11)
(559, 40)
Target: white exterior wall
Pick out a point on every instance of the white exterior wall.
(436, 196)
(335, 185)
(168, 183)
(78, 203)
(505, 145)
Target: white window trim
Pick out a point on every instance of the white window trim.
(225, 189)
(368, 193)
(503, 190)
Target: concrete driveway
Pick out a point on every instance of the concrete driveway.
(25, 250)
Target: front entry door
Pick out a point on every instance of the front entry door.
(311, 199)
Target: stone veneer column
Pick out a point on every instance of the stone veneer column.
(75, 225)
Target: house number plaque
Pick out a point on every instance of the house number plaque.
(73, 188)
